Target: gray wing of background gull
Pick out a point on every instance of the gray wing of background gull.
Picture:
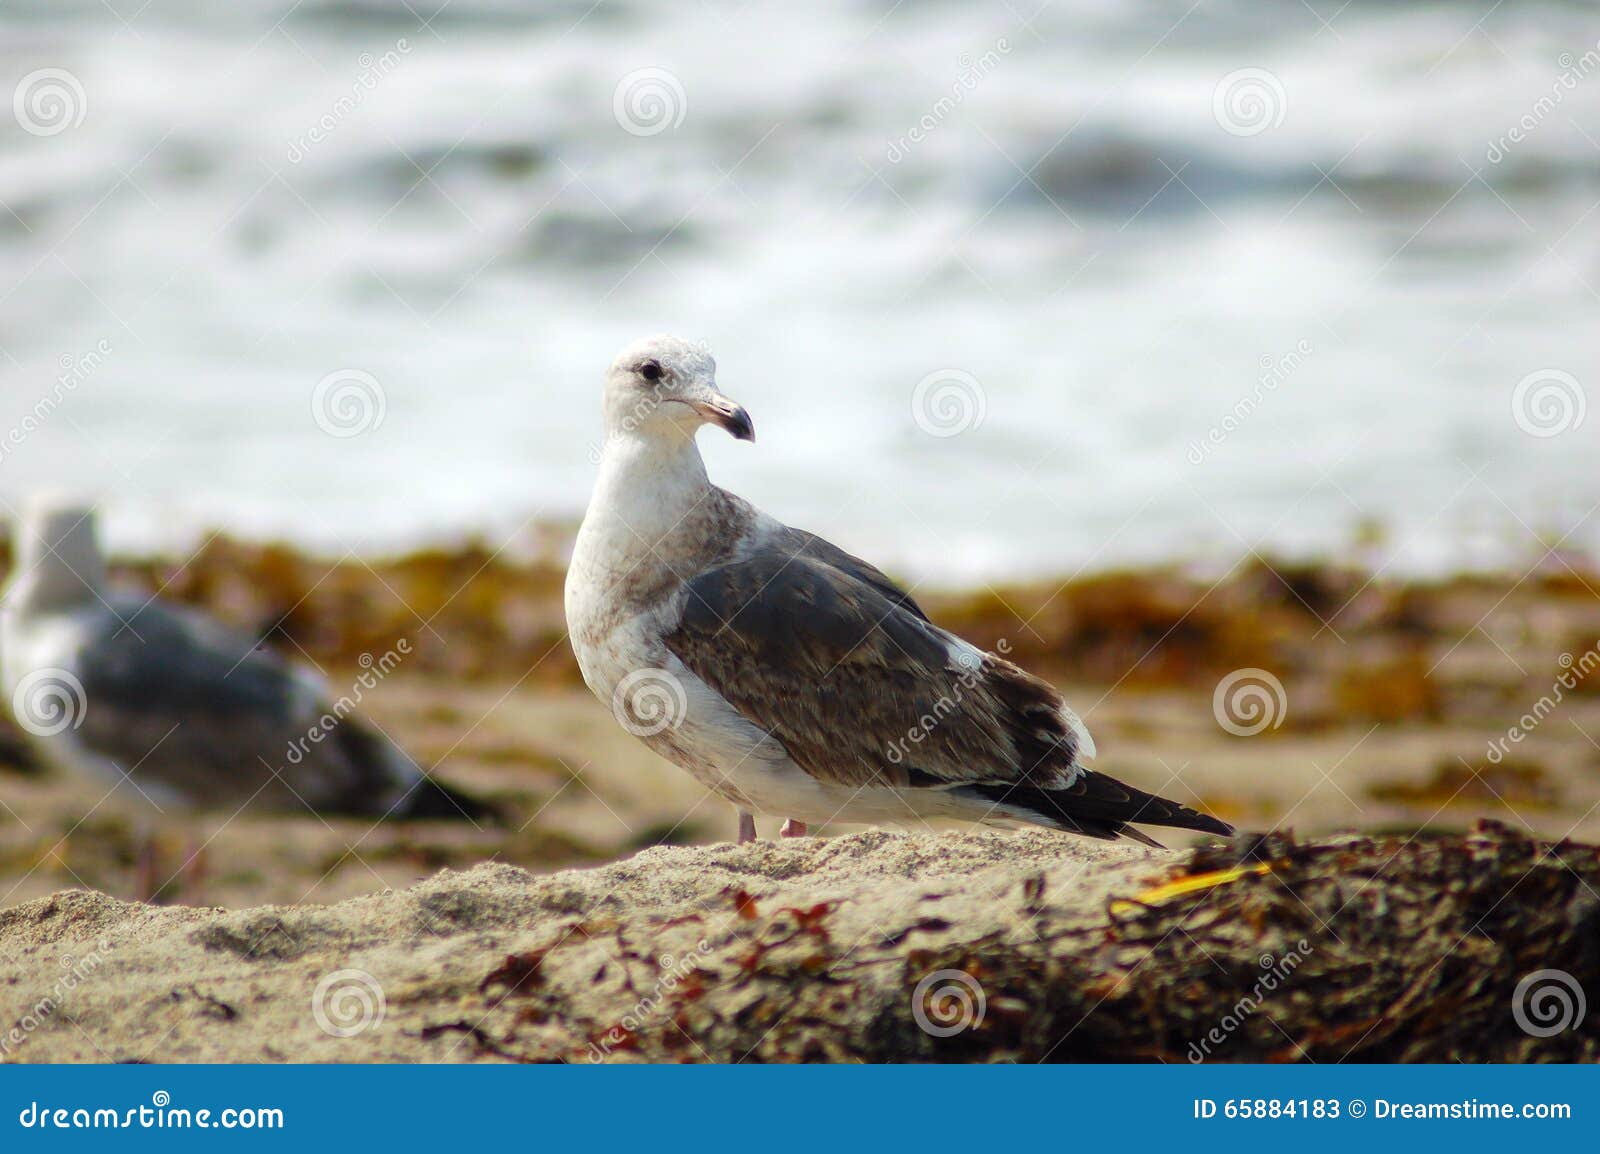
(842, 667)
(188, 708)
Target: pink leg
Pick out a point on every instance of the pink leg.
(747, 827)
(194, 874)
(144, 870)
(792, 828)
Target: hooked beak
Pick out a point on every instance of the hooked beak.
(719, 410)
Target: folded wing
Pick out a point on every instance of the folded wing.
(825, 653)
(821, 650)
(178, 701)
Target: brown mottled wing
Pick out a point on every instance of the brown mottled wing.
(860, 688)
(178, 701)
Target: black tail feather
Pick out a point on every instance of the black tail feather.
(1099, 806)
(432, 799)
(376, 766)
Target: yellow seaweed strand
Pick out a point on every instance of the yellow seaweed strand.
(1190, 883)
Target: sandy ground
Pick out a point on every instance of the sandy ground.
(871, 946)
(197, 985)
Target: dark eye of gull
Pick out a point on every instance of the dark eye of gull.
(650, 370)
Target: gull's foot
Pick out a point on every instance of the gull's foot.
(792, 828)
(747, 827)
(194, 873)
(146, 887)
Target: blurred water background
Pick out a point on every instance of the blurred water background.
(1008, 290)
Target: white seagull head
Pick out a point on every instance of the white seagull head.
(666, 387)
(59, 564)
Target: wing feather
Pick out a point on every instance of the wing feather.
(826, 654)
(177, 700)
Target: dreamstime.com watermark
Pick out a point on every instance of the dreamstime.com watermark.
(1248, 102)
(1549, 402)
(649, 701)
(75, 370)
(1250, 701)
(673, 972)
(74, 972)
(1573, 671)
(971, 74)
(642, 408)
(1548, 1002)
(160, 1114)
(1278, 971)
(347, 1003)
(48, 101)
(971, 666)
(1573, 71)
(1274, 372)
(649, 101)
(49, 701)
(348, 403)
(948, 1002)
(948, 402)
(372, 672)
(373, 70)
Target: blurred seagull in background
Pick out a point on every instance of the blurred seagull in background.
(162, 703)
(787, 675)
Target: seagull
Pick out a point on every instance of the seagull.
(787, 675)
(163, 704)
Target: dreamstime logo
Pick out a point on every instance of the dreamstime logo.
(74, 972)
(75, 370)
(948, 402)
(649, 101)
(1548, 1002)
(1548, 402)
(49, 101)
(1276, 972)
(372, 672)
(971, 74)
(1573, 70)
(636, 416)
(1573, 670)
(649, 701)
(348, 1002)
(49, 701)
(970, 662)
(673, 973)
(1274, 372)
(1248, 701)
(1248, 102)
(373, 70)
(947, 1002)
(348, 402)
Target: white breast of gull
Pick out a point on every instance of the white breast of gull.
(789, 676)
(165, 706)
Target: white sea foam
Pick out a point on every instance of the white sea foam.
(1111, 306)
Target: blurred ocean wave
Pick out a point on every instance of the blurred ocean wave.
(1118, 221)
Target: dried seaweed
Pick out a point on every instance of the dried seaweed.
(1260, 949)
